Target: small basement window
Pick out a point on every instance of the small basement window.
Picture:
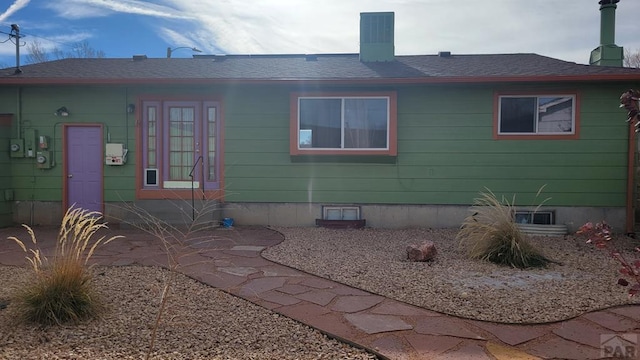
(535, 217)
(341, 213)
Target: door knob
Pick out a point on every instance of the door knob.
(70, 176)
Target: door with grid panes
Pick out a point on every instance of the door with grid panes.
(180, 145)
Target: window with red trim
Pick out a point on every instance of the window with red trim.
(357, 124)
(552, 115)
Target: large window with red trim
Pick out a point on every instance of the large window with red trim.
(180, 146)
(343, 124)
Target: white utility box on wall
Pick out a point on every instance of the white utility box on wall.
(115, 154)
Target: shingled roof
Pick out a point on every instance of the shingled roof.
(315, 68)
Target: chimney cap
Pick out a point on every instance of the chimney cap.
(444, 53)
(608, 2)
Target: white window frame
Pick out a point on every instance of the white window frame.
(536, 132)
(342, 123)
(327, 209)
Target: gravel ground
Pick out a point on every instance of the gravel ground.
(375, 260)
(200, 322)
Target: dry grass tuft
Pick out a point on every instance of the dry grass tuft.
(491, 234)
(61, 290)
(175, 240)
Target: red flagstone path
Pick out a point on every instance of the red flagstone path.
(230, 259)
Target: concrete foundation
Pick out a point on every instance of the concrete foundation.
(403, 216)
(35, 213)
(173, 212)
(177, 212)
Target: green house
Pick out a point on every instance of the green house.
(287, 139)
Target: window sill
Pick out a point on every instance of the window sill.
(341, 152)
(362, 159)
(341, 224)
(536, 137)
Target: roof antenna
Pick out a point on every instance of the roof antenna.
(15, 33)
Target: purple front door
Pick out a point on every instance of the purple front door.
(83, 166)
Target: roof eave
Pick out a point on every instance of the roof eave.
(339, 81)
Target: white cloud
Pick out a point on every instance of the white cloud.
(17, 5)
(79, 9)
(567, 29)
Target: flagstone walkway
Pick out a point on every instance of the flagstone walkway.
(230, 259)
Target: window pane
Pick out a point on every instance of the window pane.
(323, 118)
(334, 214)
(350, 214)
(181, 142)
(187, 114)
(151, 136)
(211, 145)
(555, 115)
(187, 143)
(365, 123)
(517, 115)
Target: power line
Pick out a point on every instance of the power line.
(22, 34)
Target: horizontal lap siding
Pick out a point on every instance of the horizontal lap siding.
(446, 150)
(5, 173)
(446, 154)
(86, 104)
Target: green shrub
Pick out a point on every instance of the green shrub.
(491, 234)
(61, 290)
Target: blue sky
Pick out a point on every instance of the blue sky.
(563, 29)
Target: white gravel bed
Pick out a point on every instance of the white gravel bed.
(200, 322)
(375, 260)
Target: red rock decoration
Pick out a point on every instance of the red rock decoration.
(424, 252)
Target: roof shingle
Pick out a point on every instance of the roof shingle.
(327, 67)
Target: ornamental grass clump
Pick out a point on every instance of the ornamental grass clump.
(491, 234)
(60, 290)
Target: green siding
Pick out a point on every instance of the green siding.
(5, 176)
(446, 154)
(94, 105)
(446, 149)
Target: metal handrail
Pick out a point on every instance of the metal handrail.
(193, 196)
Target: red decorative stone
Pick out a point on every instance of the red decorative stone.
(424, 252)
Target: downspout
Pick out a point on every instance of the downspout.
(630, 221)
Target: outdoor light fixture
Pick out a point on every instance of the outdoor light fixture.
(170, 50)
(131, 108)
(62, 112)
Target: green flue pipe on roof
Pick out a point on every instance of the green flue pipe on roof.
(607, 53)
(608, 22)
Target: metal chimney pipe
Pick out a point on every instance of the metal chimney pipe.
(608, 21)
